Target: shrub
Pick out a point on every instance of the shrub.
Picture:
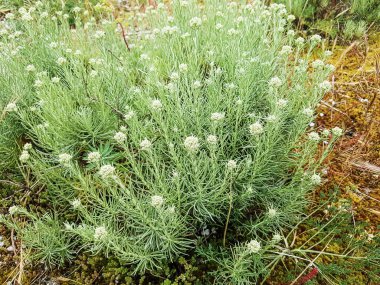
(303, 8)
(44, 235)
(347, 18)
(354, 29)
(368, 10)
(186, 131)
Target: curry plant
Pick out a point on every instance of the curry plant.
(186, 125)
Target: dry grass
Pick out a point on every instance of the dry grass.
(354, 104)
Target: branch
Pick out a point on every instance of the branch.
(124, 36)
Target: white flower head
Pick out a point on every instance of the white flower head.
(94, 156)
(218, 71)
(174, 76)
(308, 112)
(9, 16)
(281, 103)
(205, 232)
(145, 144)
(171, 87)
(218, 26)
(275, 82)
(212, 139)
(175, 174)
(53, 45)
(26, 17)
(231, 164)
(129, 115)
(216, 117)
(157, 201)
(24, 157)
(144, 56)
(230, 86)
(316, 179)
(30, 68)
(99, 34)
(271, 118)
(316, 39)
(276, 238)
(291, 33)
(191, 143)
(326, 132)
(253, 246)
(120, 137)
(272, 212)
(197, 84)
(22, 10)
(195, 22)
(239, 19)
(27, 146)
(44, 14)
(100, 233)
(93, 73)
(291, 18)
(256, 128)
(300, 41)
(314, 136)
(209, 81)
(336, 131)
(183, 67)
(156, 105)
(286, 50)
(232, 32)
(64, 158)
(11, 107)
(55, 79)
(184, 3)
(106, 171)
(171, 209)
(13, 210)
(76, 203)
(61, 60)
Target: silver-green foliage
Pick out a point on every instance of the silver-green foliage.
(368, 10)
(353, 29)
(195, 129)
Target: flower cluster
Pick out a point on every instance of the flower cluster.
(100, 233)
(24, 157)
(65, 158)
(93, 157)
(191, 143)
(256, 128)
(157, 201)
(106, 171)
(253, 246)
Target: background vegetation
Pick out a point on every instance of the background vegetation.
(345, 19)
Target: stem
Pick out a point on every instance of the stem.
(228, 218)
